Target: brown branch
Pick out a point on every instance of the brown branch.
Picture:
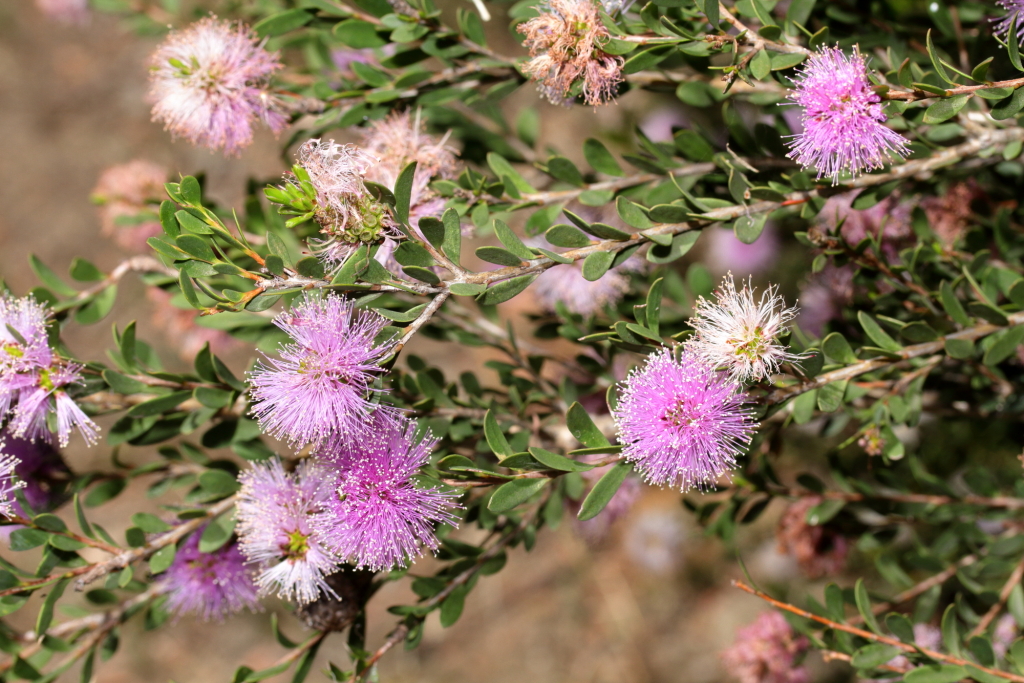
(85, 540)
(868, 635)
(1004, 595)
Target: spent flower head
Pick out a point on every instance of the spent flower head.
(767, 651)
(210, 586)
(275, 513)
(739, 334)
(682, 423)
(378, 516)
(842, 118)
(818, 549)
(564, 46)
(320, 384)
(209, 84)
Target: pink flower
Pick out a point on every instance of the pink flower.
(766, 651)
(65, 11)
(818, 550)
(209, 84)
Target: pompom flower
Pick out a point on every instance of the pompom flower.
(210, 586)
(378, 517)
(842, 118)
(347, 213)
(681, 422)
(563, 43)
(1014, 10)
(209, 84)
(319, 385)
(129, 198)
(766, 651)
(737, 334)
(8, 483)
(274, 511)
(33, 378)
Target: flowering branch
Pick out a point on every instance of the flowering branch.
(868, 635)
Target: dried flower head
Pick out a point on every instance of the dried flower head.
(209, 84)
(210, 586)
(129, 196)
(888, 221)
(950, 214)
(682, 423)
(766, 651)
(319, 385)
(1014, 11)
(842, 118)
(33, 380)
(9, 483)
(379, 517)
(396, 142)
(275, 513)
(65, 11)
(740, 335)
(819, 550)
(347, 213)
(563, 43)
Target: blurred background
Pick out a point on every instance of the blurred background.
(645, 600)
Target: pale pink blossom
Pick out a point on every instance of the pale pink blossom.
(129, 197)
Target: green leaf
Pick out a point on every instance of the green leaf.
(122, 384)
(961, 349)
(466, 289)
(830, 396)
(162, 559)
(600, 159)
(217, 533)
(49, 278)
(950, 631)
(1005, 346)
(504, 170)
(559, 462)
(877, 334)
(761, 65)
(562, 169)
(514, 493)
(642, 61)
(495, 437)
(935, 673)
(161, 404)
(1009, 107)
(26, 539)
(151, 524)
(567, 236)
(451, 607)
(631, 214)
(1013, 44)
(503, 291)
(358, 34)
(310, 267)
(218, 483)
(511, 241)
(692, 146)
(677, 248)
(452, 245)
(945, 109)
(595, 265)
(498, 256)
(167, 220)
(936, 62)
(98, 308)
(195, 246)
(403, 192)
(193, 224)
(583, 428)
(952, 304)
(748, 228)
(873, 655)
(283, 22)
(46, 613)
(603, 491)
(83, 271)
(860, 594)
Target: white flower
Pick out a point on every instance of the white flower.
(738, 334)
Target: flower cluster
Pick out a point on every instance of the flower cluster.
(129, 198)
(767, 651)
(819, 550)
(683, 417)
(33, 379)
(564, 46)
(209, 84)
(212, 585)
(842, 118)
(357, 499)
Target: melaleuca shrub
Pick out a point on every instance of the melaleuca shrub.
(781, 278)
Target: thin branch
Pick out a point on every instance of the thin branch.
(85, 540)
(1014, 580)
(422, 318)
(868, 635)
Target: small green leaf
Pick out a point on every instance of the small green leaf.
(877, 334)
(603, 491)
(1005, 346)
(495, 437)
(559, 462)
(451, 608)
(162, 559)
(218, 483)
(961, 349)
(83, 271)
(945, 109)
(595, 265)
(46, 613)
(583, 428)
(600, 159)
(358, 34)
(864, 607)
(874, 655)
(217, 533)
(49, 278)
(310, 267)
(952, 304)
(514, 493)
(151, 524)
(511, 241)
(566, 236)
(935, 673)
(282, 22)
(403, 192)
(503, 291)
(936, 61)
(1009, 107)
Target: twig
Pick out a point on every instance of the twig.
(868, 635)
(422, 318)
(125, 558)
(1004, 595)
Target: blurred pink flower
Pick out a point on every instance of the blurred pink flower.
(180, 325)
(65, 11)
(819, 550)
(726, 253)
(766, 651)
(129, 197)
